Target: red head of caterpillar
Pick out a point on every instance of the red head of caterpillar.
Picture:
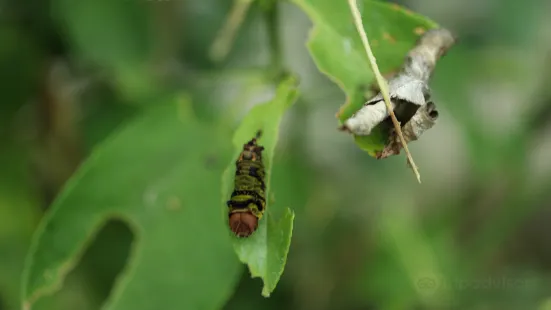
(248, 200)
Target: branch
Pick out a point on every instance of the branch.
(382, 83)
(226, 36)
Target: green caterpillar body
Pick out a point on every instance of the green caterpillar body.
(248, 200)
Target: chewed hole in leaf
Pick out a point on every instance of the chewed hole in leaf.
(108, 256)
(101, 264)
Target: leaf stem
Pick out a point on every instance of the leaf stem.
(382, 82)
(226, 36)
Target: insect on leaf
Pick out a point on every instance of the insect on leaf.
(409, 96)
(157, 174)
(265, 251)
(337, 50)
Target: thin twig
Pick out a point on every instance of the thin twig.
(225, 37)
(381, 81)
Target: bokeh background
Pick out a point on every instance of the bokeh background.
(475, 233)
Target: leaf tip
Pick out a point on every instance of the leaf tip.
(266, 292)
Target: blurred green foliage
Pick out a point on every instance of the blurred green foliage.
(89, 78)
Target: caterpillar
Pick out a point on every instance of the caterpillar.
(248, 199)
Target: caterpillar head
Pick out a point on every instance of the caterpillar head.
(251, 151)
(243, 224)
(440, 40)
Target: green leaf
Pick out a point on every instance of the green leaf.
(158, 174)
(337, 50)
(265, 251)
